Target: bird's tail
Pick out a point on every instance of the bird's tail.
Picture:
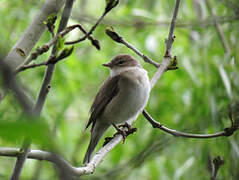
(96, 134)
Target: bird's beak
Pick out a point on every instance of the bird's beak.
(107, 65)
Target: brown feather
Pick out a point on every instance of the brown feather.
(106, 93)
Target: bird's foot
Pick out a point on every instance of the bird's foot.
(125, 132)
(120, 131)
(130, 130)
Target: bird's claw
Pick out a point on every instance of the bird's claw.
(125, 132)
(127, 125)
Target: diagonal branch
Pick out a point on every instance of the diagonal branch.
(119, 39)
(110, 5)
(32, 34)
(98, 157)
(26, 144)
(10, 82)
(51, 67)
(44, 48)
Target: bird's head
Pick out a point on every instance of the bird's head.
(121, 62)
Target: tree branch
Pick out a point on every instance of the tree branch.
(59, 161)
(216, 164)
(119, 39)
(10, 82)
(169, 42)
(26, 144)
(227, 131)
(110, 5)
(45, 47)
(51, 67)
(98, 157)
(51, 60)
(32, 34)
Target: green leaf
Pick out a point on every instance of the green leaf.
(65, 53)
(50, 21)
(60, 43)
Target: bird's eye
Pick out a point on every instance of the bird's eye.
(120, 62)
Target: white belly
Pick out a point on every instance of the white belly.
(131, 99)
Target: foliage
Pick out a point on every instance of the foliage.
(193, 98)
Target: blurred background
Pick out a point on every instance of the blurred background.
(194, 98)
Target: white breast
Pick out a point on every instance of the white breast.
(132, 97)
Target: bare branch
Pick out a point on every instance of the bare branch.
(59, 161)
(20, 160)
(98, 157)
(10, 82)
(25, 67)
(216, 164)
(166, 61)
(46, 47)
(32, 34)
(26, 145)
(109, 6)
(51, 67)
(119, 39)
(227, 131)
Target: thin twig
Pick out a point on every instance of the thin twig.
(51, 67)
(25, 67)
(119, 39)
(216, 164)
(26, 145)
(46, 47)
(11, 83)
(90, 31)
(221, 35)
(169, 42)
(227, 131)
(20, 160)
(98, 157)
(32, 34)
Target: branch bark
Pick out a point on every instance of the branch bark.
(227, 131)
(26, 144)
(216, 164)
(10, 82)
(32, 34)
(98, 157)
(119, 39)
(51, 67)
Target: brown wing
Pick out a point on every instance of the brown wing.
(106, 93)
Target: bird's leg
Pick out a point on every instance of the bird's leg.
(130, 130)
(120, 131)
(124, 133)
(127, 125)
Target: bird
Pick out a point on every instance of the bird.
(121, 97)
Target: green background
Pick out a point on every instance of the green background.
(194, 98)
